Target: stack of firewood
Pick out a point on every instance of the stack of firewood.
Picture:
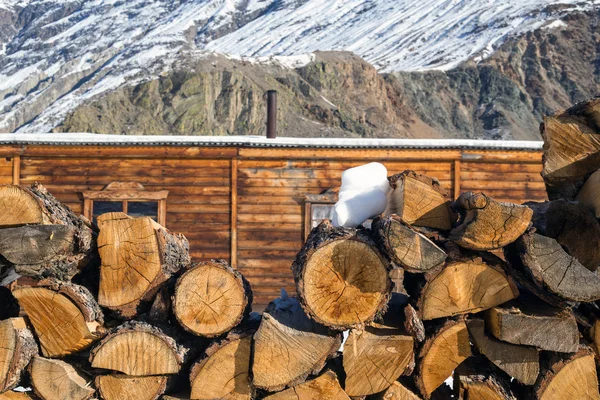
(470, 299)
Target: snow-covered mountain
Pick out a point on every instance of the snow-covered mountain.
(58, 54)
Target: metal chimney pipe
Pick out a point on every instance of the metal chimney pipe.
(271, 114)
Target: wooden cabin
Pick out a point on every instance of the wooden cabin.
(250, 200)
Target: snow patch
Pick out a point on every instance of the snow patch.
(556, 24)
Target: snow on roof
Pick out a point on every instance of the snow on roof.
(73, 139)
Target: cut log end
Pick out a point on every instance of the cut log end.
(341, 278)
(483, 388)
(325, 387)
(375, 358)
(123, 387)
(211, 298)
(486, 224)
(397, 392)
(56, 379)
(223, 372)
(17, 347)
(18, 206)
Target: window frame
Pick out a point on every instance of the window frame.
(126, 192)
(330, 197)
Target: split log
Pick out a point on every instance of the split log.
(17, 347)
(589, 194)
(572, 377)
(139, 349)
(420, 200)
(14, 396)
(396, 392)
(571, 148)
(56, 379)
(547, 265)
(442, 352)
(341, 278)
(486, 224)
(138, 256)
(537, 325)
(59, 249)
(123, 387)
(325, 387)
(223, 371)
(405, 246)
(482, 387)
(65, 316)
(374, 358)
(520, 362)
(467, 284)
(211, 298)
(568, 223)
(413, 324)
(397, 278)
(289, 346)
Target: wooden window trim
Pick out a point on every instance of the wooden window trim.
(126, 192)
(330, 197)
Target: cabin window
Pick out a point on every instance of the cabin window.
(128, 197)
(317, 208)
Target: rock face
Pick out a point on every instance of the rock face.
(64, 67)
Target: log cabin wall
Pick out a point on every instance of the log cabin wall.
(264, 229)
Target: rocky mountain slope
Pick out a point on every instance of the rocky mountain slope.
(450, 68)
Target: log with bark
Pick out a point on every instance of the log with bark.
(549, 269)
(17, 347)
(445, 349)
(573, 226)
(341, 278)
(568, 377)
(56, 379)
(124, 387)
(486, 224)
(289, 346)
(139, 349)
(374, 358)
(571, 148)
(325, 387)
(468, 283)
(589, 194)
(476, 379)
(211, 298)
(54, 243)
(405, 246)
(223, 371)
(138, 256)
(420, 200)
(65, 316)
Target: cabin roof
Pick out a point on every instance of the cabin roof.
(91, 139)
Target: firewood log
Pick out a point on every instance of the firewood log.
(571, 148)
(211, 298)
(482, 387)
(420, 200)
(413, 324)
(14, 396)
(405, 246)
(65, 316)
(540, 326)
(441, 353)
(223, 371)
(289, 346)
(486, 224)
(161, 307)
(396, 392)
(56, 379)
(139, 349)
(544, 262)
(568, 223)
(520, 362)
(568, 377)
(589, 194)
(58, 246)
(138, 256)
(123, 387)
(324, 387)
(341, 278)
(469, 283)
(374, 358)
(17, 347)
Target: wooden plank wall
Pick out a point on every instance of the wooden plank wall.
(267, 189)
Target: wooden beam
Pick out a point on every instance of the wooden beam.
(456, 184)
(16, 170)
(234, 172)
